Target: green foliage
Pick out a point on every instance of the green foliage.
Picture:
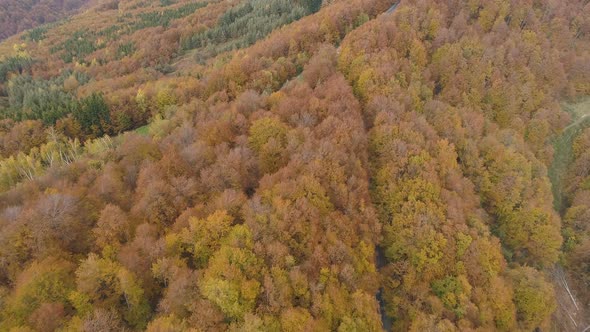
(163, 18)
(564, 150)
(144, 130)
(37, 34)
(145, 20)
(361, 19)
(449, 290)
(93, 115)
(45, 100)
(15, 64)
(78, 46)
(126, 49)
(244, 24)
(114, 31)
(312, 6)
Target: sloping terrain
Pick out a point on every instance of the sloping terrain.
(569, 174)
(103, 52)
(19, 15)
(277, 165)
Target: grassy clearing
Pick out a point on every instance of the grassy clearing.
(145, 130)
(580, 112)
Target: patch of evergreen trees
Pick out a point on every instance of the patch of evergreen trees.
(15, 64)
(243, 25)
(163, 18)
(45, 100)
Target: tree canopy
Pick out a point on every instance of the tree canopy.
(293, 166)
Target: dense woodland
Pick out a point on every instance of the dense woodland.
(19, 15)
(293, 166)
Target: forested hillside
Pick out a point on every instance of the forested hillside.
(346, 165)
(19, 15)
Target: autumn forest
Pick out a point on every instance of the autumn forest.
(294, 165)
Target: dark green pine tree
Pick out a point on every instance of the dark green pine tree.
(93, 115)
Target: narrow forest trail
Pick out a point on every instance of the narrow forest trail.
(571, 316)
(380, 260)
(563, 156)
